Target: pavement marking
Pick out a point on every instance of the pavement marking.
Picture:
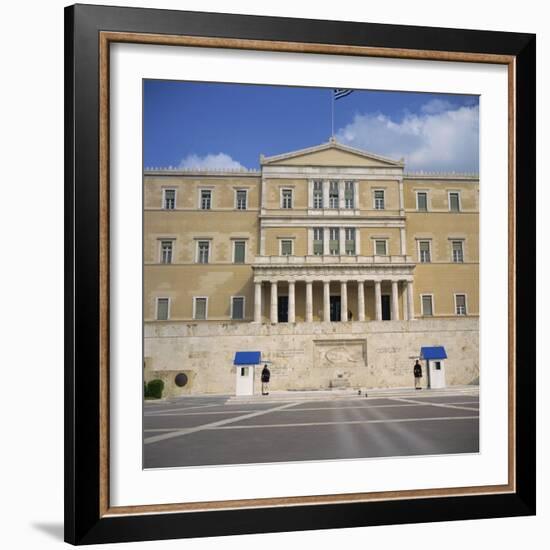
(153, 413)
(185, 431)
(199, 413)
(305, 424)
(348, 407)
(443, 405)
(371, 406)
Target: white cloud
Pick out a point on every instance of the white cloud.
(441, 137)
(219, 161)
(436, 106)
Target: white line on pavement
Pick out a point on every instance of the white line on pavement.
(348, 407)
(185, 431)
(445, 406)
(153, 413)
(302, 424)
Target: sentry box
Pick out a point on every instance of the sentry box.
(435, 365)
(245, 361)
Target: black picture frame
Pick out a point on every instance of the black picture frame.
(84, 523)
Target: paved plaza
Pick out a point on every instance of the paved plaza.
(201, 431)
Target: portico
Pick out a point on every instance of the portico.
(334, 287)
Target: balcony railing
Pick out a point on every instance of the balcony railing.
(332, 260)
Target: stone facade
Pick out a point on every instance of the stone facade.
(333, 262)
(308, 356)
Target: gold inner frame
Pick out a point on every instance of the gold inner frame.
(105, 39)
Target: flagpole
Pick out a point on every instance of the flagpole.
(332, 112)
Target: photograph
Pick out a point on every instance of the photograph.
(310, 273)
(297, 258)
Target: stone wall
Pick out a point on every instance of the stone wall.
(308, 356)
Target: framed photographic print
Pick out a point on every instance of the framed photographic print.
(299, 274)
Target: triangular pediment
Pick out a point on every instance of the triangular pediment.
(331, 154)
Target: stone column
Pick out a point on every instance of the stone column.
(394, 301)
(326, 301)
(405, 301)
(378, 300)
(309, 301)
(291, 302)
(325, 193)
(410, 301)
(342, 237)
(326, 235)
(403, 238)
(361, 300)
(258, 302)
(273, 301)
(343, 301)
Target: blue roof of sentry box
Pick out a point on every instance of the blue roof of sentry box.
(247, 358)
(433, 352)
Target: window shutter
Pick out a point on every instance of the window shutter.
(455, 206)
(238, 309)
(422, 202)
(286, 248)
(239, 252)
(162, 309)
(200, 308)
(427, 305)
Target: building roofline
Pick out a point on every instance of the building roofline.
(331, 144)
(468, 176)
(172, 171)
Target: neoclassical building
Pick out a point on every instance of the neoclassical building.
(328, 234)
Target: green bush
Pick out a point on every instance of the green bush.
(154, 389)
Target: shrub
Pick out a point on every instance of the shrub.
(154, 389)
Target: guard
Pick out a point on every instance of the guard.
(265, 380)
(417, 375)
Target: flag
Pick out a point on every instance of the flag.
(339, 93)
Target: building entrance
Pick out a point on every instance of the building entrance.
(335, 308)
(386, 308)
(282, 309)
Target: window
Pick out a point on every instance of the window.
(286, 247)
(239, 248)
(381, 247)
(169, 202)
(165, 252)
(200, 308)
(206, 199)
(350, 241)
(422, 201)
(424, 252)
(460, 304)
(427, 305)
(333, 197)
(317, 194)
(379, 202)
(458, 252)
(163, 308)
(349, 194)
(237, 308)
(240, 199)
(286, 198)
(454, 202)
(203, 255)
(318, 241)
(334, 241)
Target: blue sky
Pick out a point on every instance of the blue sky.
(212, 125)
